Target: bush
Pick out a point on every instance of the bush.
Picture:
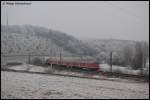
(37, 61)
(118, 71)
(49, 70)
(14, 63)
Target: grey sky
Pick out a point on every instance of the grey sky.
(88, 19)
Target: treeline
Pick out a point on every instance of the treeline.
(27, 39)
(124, 52)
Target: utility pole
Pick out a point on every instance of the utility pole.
(29, 59)
(111, 61)
(60, 56)
(7, 16)
(81, 58)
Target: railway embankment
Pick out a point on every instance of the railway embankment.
(60, 71)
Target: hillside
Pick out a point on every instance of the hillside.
(25, 39)
(38, 40)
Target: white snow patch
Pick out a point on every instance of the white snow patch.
(120, 69)
(19, 67)
(37, 69)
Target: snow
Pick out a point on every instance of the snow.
(19, 67)
(36, 86)
(124, 70)
(37, 69)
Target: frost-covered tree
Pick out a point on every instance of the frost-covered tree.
(138, 58)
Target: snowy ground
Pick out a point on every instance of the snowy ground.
(120, 69)
(27, 86)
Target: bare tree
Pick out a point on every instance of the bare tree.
(141, 56)
(128, 55)
(145, 50)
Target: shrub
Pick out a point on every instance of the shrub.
(14, 63)
(49, 70)
(118, 71)
(37, 61)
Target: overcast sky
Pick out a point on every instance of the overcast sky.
(127, 20)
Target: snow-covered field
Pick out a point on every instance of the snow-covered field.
(27, 86)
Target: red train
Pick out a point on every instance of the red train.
(75, 62)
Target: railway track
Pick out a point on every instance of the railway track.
(109, 74)
(120, 75)
(65, 75)
(87, 74)
(98, 72)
